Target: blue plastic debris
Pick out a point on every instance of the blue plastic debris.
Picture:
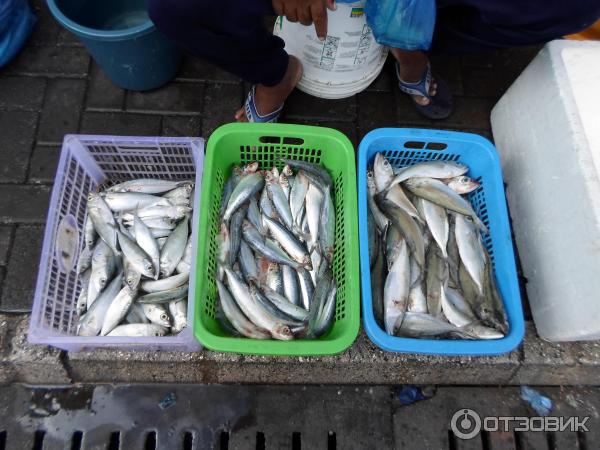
(169, 400)
(409, 394)
(540, 403)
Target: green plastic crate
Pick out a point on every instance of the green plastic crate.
(241, 143)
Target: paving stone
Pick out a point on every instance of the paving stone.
(62, 107)
(51, 61)
(470, 113)
(6, 235)
(7, 372)
(196, 69)
(34, 363)
(17, 133)
(376, 110)
(180, 98)
(386, 81)
(102, 94)
(488, 83)
(189, 126)
(44, 162)
(23, 204)
(221, 101)
(448, 68)
(120, 124)
(301, 106)
(21, 93)
(46, 29)
(19, 285)
(66, 38)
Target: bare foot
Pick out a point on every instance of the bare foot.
(413, 65)
(269, 98)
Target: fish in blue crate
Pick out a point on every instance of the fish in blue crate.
(274, 276)
(431, 275)
(134, 267)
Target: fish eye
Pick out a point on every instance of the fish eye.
(164, 317)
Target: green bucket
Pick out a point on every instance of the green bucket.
(241, 143)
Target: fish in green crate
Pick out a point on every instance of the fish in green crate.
(431, 275)
(277, 282)
(135, 265)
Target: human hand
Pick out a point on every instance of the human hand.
(306, 12)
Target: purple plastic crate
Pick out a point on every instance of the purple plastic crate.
(87, 162)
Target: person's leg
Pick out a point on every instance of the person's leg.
(466, 26)
(412, 65)
(231, 35)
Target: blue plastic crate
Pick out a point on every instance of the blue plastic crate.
(405, 147)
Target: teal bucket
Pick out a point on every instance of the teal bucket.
(122, 39)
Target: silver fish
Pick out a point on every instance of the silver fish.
(280, 201)
(224, 244)
(380, 219)
(164, 296)
(288, 242)
(89, 232)
(145, 186)
(235, 232)
(431, 169)
(316, 259)
(156, 314)
(259, 244)
(377, 282)
(144, 239)
(470, 249)
(456, 308)
(175, 212)
(417, 302)
(274, 279)
(248, 263)
(138, 330)
(165, 284)
(103, 220)
(383, 172)
(409, 229)
(81, 305)
(117, 310)
(174, 248)
(103, 268)
(255, 312)
(129, 201)
(136, 315)
(476, 330)
(462, 184)
(183, 191)
(246, 188)
(314, 200)
(396, 195)
(327, 226)
(396, 289)
(297, 197)
(230, 184)
(314, 169)
(137, 257)
(84, 260)
(440, 194)
(291, 288)
(284, 182)
(160, 242)
(131, 274)
(436, 276)
(178, 310)
(161, 223)
(307, 287)
(325, 316)
(437, 221)
(91, 322)
(282, 303)
(266, 206)
(255, 217)
(424, 325)
(317, 303)
(236, 317)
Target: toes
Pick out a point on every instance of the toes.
(240, 115)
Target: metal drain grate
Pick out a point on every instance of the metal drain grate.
(275, 417)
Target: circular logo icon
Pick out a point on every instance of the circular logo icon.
(465, 424)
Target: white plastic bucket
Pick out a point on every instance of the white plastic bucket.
(342, 65)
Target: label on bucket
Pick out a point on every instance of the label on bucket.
(357, 12)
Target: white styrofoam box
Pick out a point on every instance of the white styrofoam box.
(547, 130)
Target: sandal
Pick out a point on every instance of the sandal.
(439, 106)
(252, 113)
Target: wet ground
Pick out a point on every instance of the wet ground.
(291, 417)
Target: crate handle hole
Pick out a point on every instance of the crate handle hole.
(414, 144)
(270, 139)
(293, 141)
(436, 146)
